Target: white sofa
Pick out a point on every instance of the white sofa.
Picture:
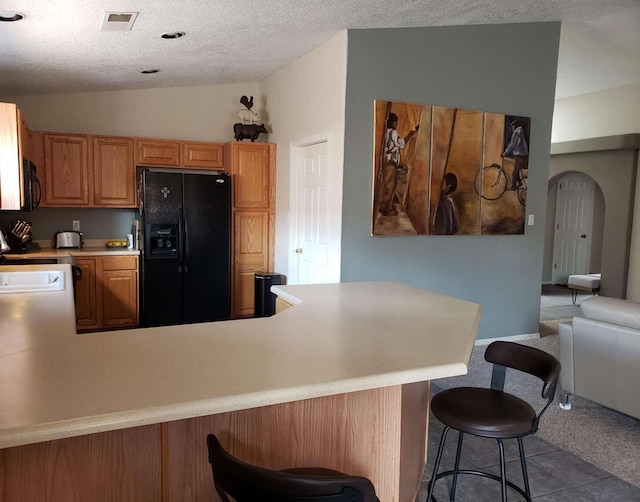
(600, 354)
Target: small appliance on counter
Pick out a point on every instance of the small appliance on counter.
(68, 239)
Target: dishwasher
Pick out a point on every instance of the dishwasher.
(76, 272)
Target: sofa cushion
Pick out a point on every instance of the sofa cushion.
(612, 310)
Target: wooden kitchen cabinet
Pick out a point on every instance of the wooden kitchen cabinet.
(82, 170)
(203, 155)
(107, 294)
(14, 146)
(251, 251)
(252, 167)
(89, 171)
(152, 152)
(119, 282)
(86, 295)
(114, 172)
(67, 170)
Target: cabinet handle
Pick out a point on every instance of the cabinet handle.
(299, 250)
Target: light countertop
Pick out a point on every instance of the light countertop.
(337, 338)
(56, 254)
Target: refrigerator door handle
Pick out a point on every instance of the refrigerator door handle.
(180, 244)
(186, 242)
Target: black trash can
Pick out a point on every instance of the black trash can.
(264, 300)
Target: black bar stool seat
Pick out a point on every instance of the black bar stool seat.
(484, 412)
(237, 481)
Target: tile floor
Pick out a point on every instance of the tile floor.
(554, 474)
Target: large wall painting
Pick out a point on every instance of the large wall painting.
(444, 171)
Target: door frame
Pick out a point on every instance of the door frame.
(335, 205)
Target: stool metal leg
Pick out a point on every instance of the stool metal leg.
(503, 471)
(456, 467)
(523, 461)
(432, 483)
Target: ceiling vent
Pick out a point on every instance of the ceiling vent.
(118, 21)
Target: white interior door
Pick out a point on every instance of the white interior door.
(311, 253)
(573, 224)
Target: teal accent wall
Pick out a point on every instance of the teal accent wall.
(509, 68)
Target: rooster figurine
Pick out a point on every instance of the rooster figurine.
(248, 116)
(247, 102)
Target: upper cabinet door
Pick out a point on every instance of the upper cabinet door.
(203, 155)
(66, 167)
(158, 153)
(252, 176)
(114, 172)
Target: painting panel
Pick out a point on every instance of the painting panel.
(448, 171)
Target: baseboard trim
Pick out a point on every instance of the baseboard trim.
(514, 338)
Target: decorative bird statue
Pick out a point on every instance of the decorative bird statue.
(247, 102)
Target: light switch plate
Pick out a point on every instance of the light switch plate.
(530, 220)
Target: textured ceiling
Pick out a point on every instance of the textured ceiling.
(59, 46)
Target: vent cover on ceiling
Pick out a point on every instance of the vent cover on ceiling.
(118, 21)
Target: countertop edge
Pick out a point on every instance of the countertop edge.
(150, 416)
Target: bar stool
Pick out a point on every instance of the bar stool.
(249, 483)
(493, 413)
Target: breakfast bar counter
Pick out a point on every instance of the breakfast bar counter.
(334, 379)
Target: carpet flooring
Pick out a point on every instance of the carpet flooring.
(599, 435)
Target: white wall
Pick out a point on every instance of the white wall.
(605, 113)
(306, 99)
(205, 113)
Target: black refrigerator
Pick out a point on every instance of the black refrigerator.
(186, 247)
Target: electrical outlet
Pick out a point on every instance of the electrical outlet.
(76, 225)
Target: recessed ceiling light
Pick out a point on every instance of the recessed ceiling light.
(149, 71)
(9, 16)
(173, 34)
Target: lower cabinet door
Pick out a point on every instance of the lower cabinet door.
(86, 295)
(251, 254)
(119, 298)
(107, 294)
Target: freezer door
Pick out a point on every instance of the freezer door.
(162, 197)
(207, 249)
(162, 274)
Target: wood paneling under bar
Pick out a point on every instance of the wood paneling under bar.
(357, 433)
(115, 466)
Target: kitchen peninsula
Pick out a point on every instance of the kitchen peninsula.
(340, 379)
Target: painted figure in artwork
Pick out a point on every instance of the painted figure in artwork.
(446, 215)
(392, 169)
(519, 151)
